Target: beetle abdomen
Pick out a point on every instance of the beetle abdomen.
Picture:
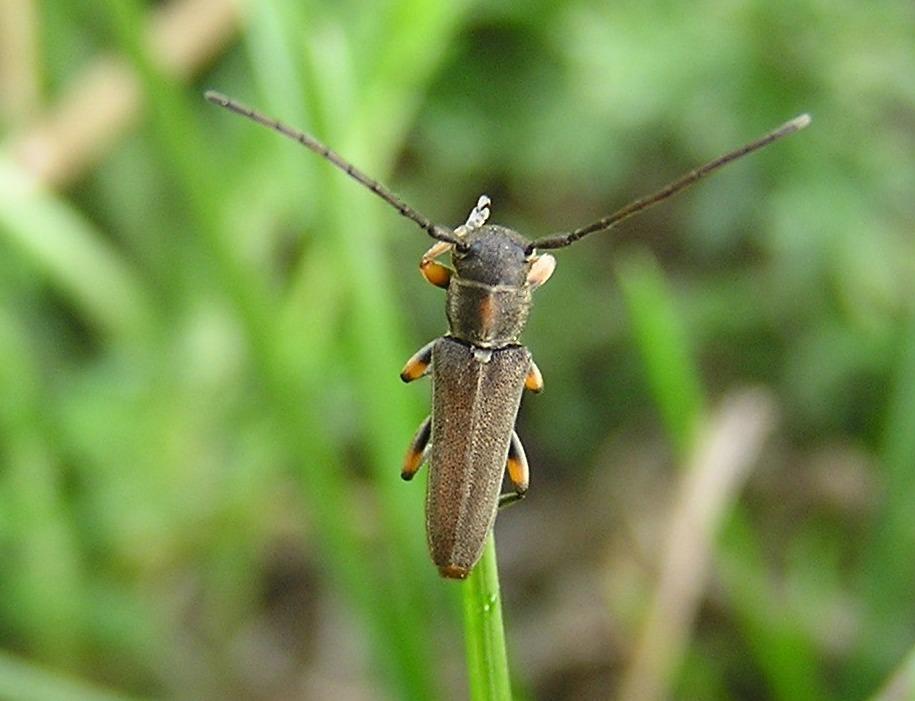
(475, 400)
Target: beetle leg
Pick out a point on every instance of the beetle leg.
(541, 270)
(417, 450)
(534, 380)
(436, 273)
(518, 472)
(418, 365)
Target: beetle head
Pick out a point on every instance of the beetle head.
(493, 255)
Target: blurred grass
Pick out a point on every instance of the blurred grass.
(661, 340)
(784, 657)
(19, 680)
(62, 246)
(201, 420)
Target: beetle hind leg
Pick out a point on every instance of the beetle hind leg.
(416, 453)
(518, 472)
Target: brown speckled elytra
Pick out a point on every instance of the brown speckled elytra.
(479, 368)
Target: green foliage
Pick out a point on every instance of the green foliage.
(200, 332)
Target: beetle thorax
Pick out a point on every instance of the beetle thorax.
(488, 297)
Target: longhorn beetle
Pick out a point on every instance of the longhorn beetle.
(479, 368)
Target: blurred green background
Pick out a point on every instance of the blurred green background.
(201, 327)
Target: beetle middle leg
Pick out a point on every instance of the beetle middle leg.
(418, 364)
(534, 380)
(518, 472)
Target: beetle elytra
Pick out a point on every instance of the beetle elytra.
(480, 368)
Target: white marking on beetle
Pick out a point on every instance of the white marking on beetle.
(477, 217)
(482, 355)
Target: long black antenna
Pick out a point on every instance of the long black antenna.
(564, 239)
(434, 230)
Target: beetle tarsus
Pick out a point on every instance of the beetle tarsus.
(510, 498)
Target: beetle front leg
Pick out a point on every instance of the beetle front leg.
(541, 270)
(416, 453)
(518, 472)
(418, 364)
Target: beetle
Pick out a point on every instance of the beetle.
(479, 367)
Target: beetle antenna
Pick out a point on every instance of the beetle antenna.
(434, 230)
(565, 239)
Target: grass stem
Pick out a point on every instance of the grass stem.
(487, 661)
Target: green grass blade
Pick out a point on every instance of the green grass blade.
(781, 649)
(43, 586)
(487, 660)
(23, 681)
(901, 685)
(71, 253)
(894, 551)
(321, 477)
(346, 221)
(661, 339)
(890, 567)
